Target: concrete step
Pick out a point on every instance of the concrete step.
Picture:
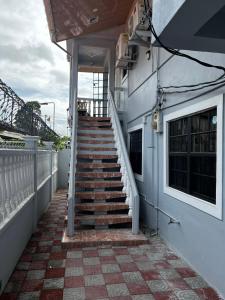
(94, 131)
(99, 152)
(95, 142)
(99, 175)
(97, 156)
(102, 207)
(112, 237)
(101, 136)
(98, 119)
(97, 148)
(99, 184)
(102, 219)
(98, 165)
(94, 124)
(100, 195)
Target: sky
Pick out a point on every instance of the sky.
(31, 64)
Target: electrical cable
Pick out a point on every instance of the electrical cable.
(177, 53)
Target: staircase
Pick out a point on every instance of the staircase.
(106, 203)
(100, 200)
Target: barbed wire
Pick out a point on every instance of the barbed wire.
(16, 116)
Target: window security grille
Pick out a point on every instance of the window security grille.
(192, 154)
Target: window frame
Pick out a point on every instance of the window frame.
(139, 177)
(209, 208)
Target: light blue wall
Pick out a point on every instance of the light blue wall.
(200, 238)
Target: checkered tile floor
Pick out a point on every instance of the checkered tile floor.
(148, 272)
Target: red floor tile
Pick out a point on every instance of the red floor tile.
(128, 267)
(32, 285)
(186, 272)
(150, 275)
(139, 288)
(113, 278)
(207, 294)
(55, 273)
(51, 295)
(74, 282)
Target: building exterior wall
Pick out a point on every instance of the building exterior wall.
(200, 237)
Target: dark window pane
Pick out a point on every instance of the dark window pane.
(195, 124)
(178, 144)
(191, 168)
(195, 143)
(204, 142)
(136, 151)
(204, 122)
(212, 142)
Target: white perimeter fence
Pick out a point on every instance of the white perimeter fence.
(24, 169)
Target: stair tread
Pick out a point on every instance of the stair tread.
(94, 118)
(115, 237)
(95, 142)
(95, 135)
(99, 174)
(103, 217)
(94, 123)
(94, 128)
(95, 184)
(100, 195)
(109, 206)
(98, 165)
(97, 156)
(96, 149)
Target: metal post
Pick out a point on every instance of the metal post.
(31, 143)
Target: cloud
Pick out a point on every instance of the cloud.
(25, 55)
(34, 67)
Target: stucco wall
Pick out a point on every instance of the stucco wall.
(64, 160)
(200, 238)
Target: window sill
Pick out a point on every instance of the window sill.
(206, 207)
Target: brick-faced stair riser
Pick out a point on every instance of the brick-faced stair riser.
(102, 207)
(99, 175)
(100, 195)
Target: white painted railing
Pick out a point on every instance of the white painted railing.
(19, 179)
(127, 174)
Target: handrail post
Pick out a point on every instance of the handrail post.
(31, 143)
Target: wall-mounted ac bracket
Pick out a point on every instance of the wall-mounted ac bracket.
(138, 42)
(144, 33)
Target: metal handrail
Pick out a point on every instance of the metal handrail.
(129, 172)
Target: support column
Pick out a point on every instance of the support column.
(31, 143)
(73, 102)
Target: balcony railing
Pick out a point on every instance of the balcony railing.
(92, 107)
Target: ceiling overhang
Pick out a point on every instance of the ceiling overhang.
(74, 18)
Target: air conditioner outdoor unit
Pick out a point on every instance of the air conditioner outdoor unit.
(122, 53)
(136, 19)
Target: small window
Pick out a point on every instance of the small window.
(136, 151)
(192, 154)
